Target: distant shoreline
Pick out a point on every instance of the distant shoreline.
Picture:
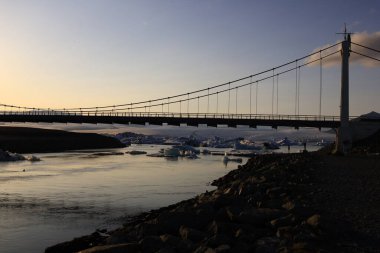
(37, 140)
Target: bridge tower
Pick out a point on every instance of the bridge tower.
(344, 138)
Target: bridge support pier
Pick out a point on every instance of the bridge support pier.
(343, 140)
(344, 136)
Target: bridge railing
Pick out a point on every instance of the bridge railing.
(175, 115)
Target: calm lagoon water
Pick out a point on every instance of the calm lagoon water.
(70, 194)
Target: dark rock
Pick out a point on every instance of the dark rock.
(191, 234)
(225, 228)
(145, 229)
(151, 244)
(170, 222)
(166, 250)
(292, 205)
(283, 221)
(185, 246)
(304, 236)
(168, 239)
(203, 249)
(314, 220)
(243, 247)
(275, 191)
(203, 216)
(285, 232)
(118, 237)
(223, 200)
(222, 214)
(257, 217)
(244, 235)
(267, 245)
(175, 243)
(116, 248)
(303, 247)
(224, 248)
(217, 240)
(245, 189)
(271, 203)
(77, 244)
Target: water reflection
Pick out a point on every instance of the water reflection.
(71, 194)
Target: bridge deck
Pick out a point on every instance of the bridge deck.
(213, 120)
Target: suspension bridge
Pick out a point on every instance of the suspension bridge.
(219, 104)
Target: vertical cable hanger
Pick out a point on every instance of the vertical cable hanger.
(296, 95)
(299, 90)
(272, 92)
(236, 106)
(277, 95)
(320, 83)
(257, 92)
(229, 96)
(217, 101)
(250, 96)
(208, 100)
(198, 106)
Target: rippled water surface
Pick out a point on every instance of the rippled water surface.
(73, 193)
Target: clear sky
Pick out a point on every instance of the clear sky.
(103, 52)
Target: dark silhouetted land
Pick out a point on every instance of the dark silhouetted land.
(35, 140)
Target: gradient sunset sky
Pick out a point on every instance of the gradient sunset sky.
(103, 52)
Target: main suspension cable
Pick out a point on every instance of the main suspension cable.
(131, 105)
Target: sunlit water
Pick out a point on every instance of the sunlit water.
(71, 194)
